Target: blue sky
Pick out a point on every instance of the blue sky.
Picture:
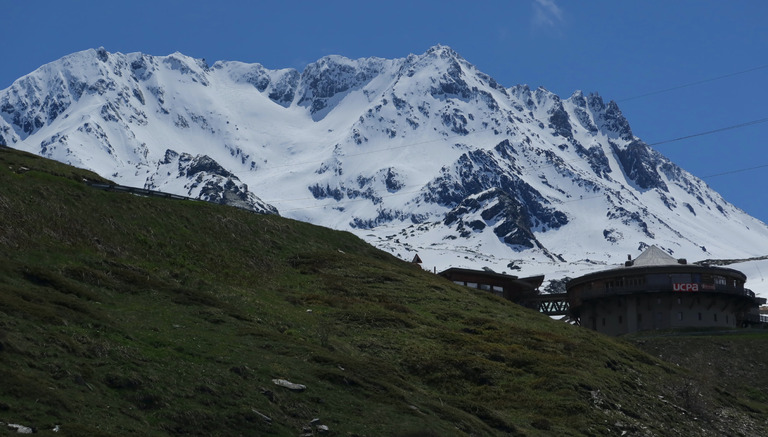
(711, 56)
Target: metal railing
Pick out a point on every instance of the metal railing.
(625, 290)
(153, 193)
(139, 191)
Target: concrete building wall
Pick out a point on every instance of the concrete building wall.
(656, 291)
(616, 315)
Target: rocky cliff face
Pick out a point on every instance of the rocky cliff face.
(422, 153)
(203, 178)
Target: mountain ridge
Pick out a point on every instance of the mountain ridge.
(388, 149)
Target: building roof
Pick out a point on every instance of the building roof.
(492, 278)
(655, 260)
(653, 256)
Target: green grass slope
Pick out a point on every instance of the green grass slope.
(127, 315)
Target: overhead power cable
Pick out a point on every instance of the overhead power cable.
(534, 168)
(402, 146)
(740, 170)
(347, 201)
(736, 126)
(699, 82)
(479, 131)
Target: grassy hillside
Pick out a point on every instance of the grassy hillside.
(126, 315)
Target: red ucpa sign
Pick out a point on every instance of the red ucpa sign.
(685, 287)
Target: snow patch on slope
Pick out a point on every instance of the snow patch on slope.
(424, 154)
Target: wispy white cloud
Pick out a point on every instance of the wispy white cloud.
(547, 14)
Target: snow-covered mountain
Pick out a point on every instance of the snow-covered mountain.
(424, 154)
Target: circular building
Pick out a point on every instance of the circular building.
(657, 291)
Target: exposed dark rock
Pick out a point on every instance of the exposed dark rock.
(630, 218)
(324, 192)
(102, 54)
(559, 121)
(609, 118)
(582, 112)
(497, 210)
(284, 89)
(612, 235)
(330, 76)
(215, 183)
(139, 96)
(392, 180)
(455, 121)
(170, 156)
(203, 163)
(175, 63)
(478, 171)
(141, 69)
(597, 159)
(639, 164)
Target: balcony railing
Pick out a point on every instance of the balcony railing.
(591, 293)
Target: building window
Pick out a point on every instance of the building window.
(699, 316)
(719, 280)
(715, 317)
(680, 316)
(680, 278)
(726, 319)
(679, 301)
(621, 319)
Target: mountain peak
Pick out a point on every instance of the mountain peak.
(102, 54)
(389, 149)
(443, 51)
